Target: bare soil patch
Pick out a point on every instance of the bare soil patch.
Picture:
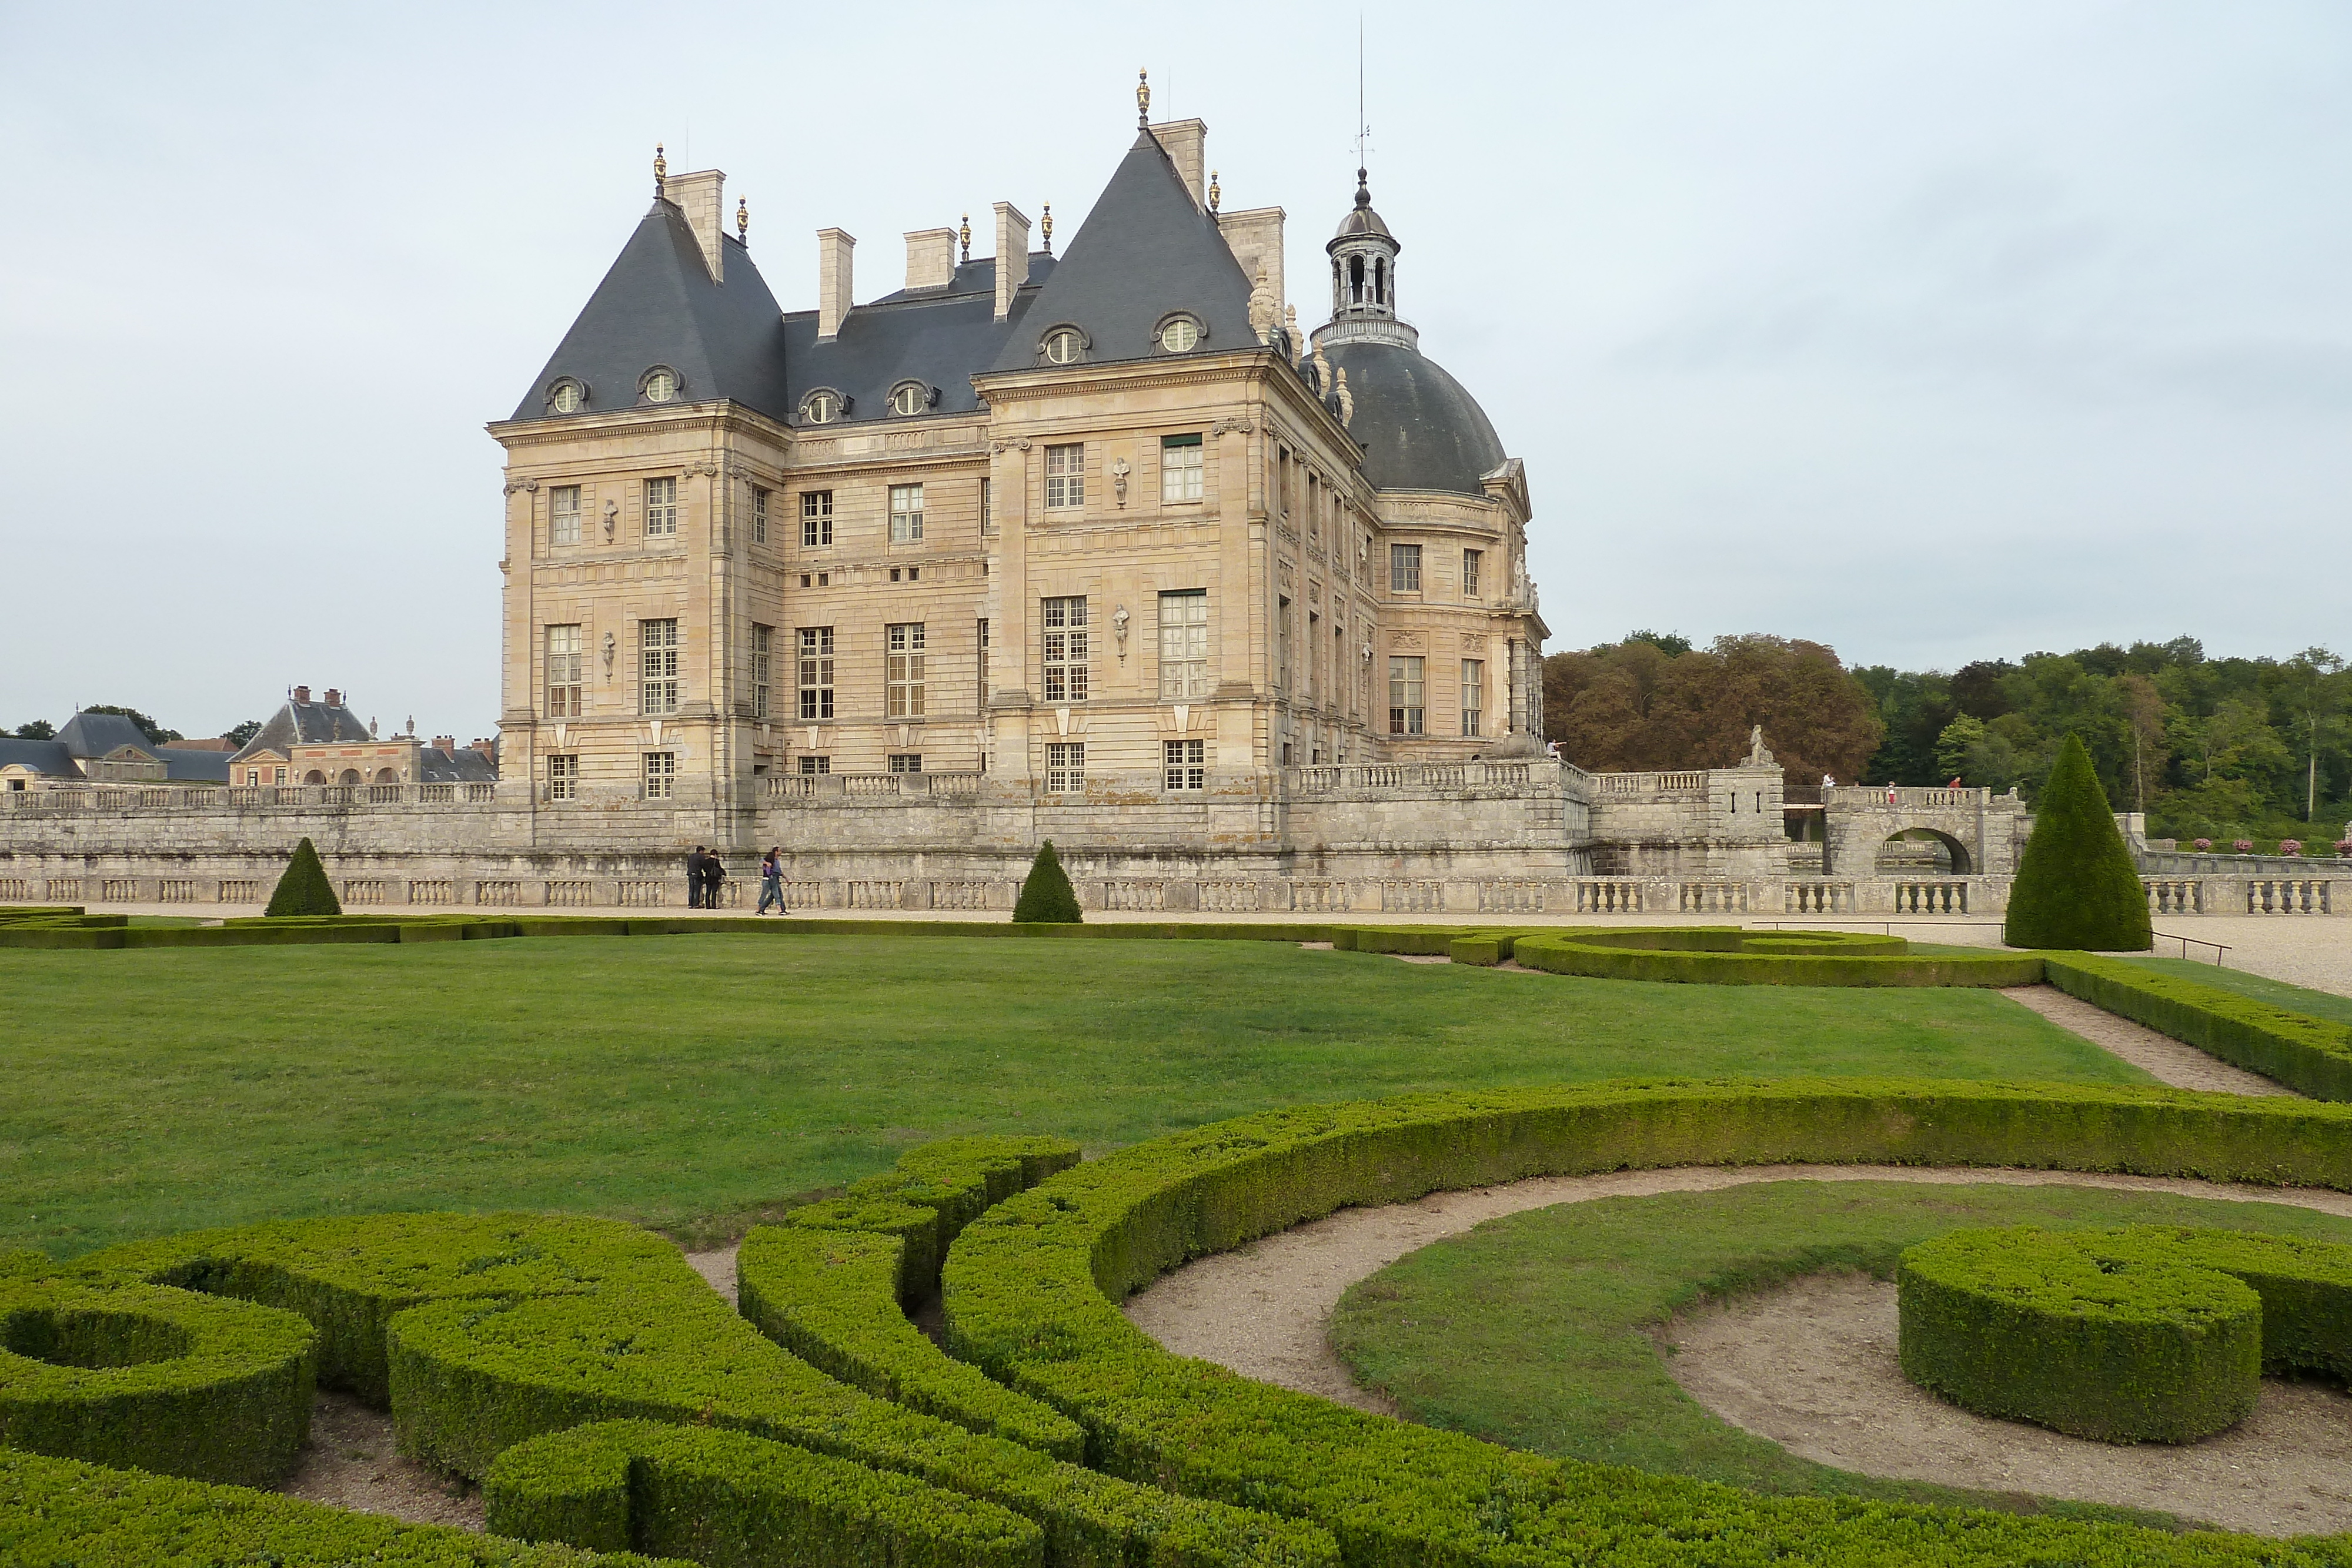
(2160, 1056)
(352, 1463)
(1811, 1365)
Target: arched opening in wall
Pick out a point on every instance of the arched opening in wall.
(350, 776)
(1355, 280)
(1923, 852)
(386, 776)
(314, 777)
(1380, 282)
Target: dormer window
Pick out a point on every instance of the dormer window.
(822, 406)
(567, 395)
(912, 397)
(1179, 334)
(660, 384)
(1063, 346)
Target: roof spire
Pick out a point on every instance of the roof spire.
(1143, 99)
(1046, 227)
(1363, 189)
(661, 172)
(964, 233)
(743, 221)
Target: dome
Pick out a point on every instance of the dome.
(1362, 222)
(1421, 430)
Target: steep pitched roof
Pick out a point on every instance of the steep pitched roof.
(938, 336)
(103, 735)
(1145, 250)
(304, 724)
(194, 764)
(48, 758)
(658, 305)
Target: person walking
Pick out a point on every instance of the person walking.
(772, 881)
(694, 872)
(714, 872)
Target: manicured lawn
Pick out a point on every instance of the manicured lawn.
(1532, 1330)
(688, 1081)
(2278, 993)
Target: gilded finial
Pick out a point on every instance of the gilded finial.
(1212, 190)
(661, 170)
(744, 220)
(964, 233)
(1144, 97)
(1046, 227)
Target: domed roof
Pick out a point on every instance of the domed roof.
(1362, 220)
(1421, 430)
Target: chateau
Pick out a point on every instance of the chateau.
(1097, 546)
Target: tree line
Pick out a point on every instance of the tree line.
(2208, 747)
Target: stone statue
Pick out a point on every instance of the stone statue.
(1757, 755)
(1347, 402)
(1118, 620)
(1322, 373)
(1261, 308)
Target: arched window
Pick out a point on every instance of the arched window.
(314, 777)
(1355, 280)
(1380, 281)
(350, 776)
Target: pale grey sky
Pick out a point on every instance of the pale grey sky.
(1934, 331)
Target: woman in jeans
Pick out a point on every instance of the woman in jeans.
(772, 881)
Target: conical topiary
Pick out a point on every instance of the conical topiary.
(2076, 887)
(304, 889)
(1046, 896)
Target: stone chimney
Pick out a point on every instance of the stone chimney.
(832, 257)
(1186, 143)
(1012, 255)
(698, 196)
(930, 257)
(1255, 239)
(302, 693)
(444, 743)
(334, 697)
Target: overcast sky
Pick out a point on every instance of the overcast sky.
(1933, 331)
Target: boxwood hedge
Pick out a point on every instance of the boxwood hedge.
(1728, 956)
(1031, 1288)
(730, 1498)
(2313, 1056)
(151, 1377)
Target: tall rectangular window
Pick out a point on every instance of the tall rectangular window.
(906, 762)
(1065, 474)
(816, 672)
(1404, 569)
(814, 767)
(1282, 644)
(763, 666)
(1066, 767)
(661, 508)
(563, 515)
(1184, 644)
(1180, 468)
(983, 665)
(657, 666)
(661, 774)
(563, 671)
(817, 518)
(902, 677)
(1472, 559)
(1065, 649)
(906, 514)
(1474, 697)
(758, 515)
(1184, 764)
(1405, 683)
(564, 777)
(986, 525)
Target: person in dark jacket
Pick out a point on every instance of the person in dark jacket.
(714, 872)
(696, 871)
(772, 883)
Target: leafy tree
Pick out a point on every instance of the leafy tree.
(239, 734)
(155, 733)
(2076, 887)
(1673, 645)
(39, 729)
(1633, 706)
(304, 889)
(1046, 897)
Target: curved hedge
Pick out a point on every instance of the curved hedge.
(1031, 1288)
(2123, 1345)
(151, 1378)
(1728, 956)
(727, 1497)
(2312, 1056)
(486, 1332)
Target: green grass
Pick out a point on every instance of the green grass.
(2278, 993)
(688, 1083)
(1534, 1330)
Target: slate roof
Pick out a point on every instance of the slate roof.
(194, 765)
(463, 766)
(1421, 429)
(103, 735)
(657, 305)
(1144, 251)
(936, 335)
(61, 757)
(48, 758)
(305, 724)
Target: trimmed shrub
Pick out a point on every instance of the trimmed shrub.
(147, 1377)
(2076, 887)
(1726, 955)
(304, 888)
(1046, 897)
(63, 1514)
(727, 1496)
(2312, 1056)
(2122, 1344)
(1031, 1288)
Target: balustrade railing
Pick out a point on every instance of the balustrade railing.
(2290, 895)
(1940, 897)
(1816, 897)
(2174, 896)
(248, 796)
(1861, 797)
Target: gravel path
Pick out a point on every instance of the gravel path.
(2160, 1056)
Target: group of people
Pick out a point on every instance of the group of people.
(706, 870)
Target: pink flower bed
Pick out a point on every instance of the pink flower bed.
(2204, 845)
(2243, 846)
(2290, 846)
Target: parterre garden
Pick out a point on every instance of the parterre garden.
(607, 1401)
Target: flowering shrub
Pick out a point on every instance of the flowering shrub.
(2203, 845)
(2243, 846)
(2290, 846)
(2344, 846)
